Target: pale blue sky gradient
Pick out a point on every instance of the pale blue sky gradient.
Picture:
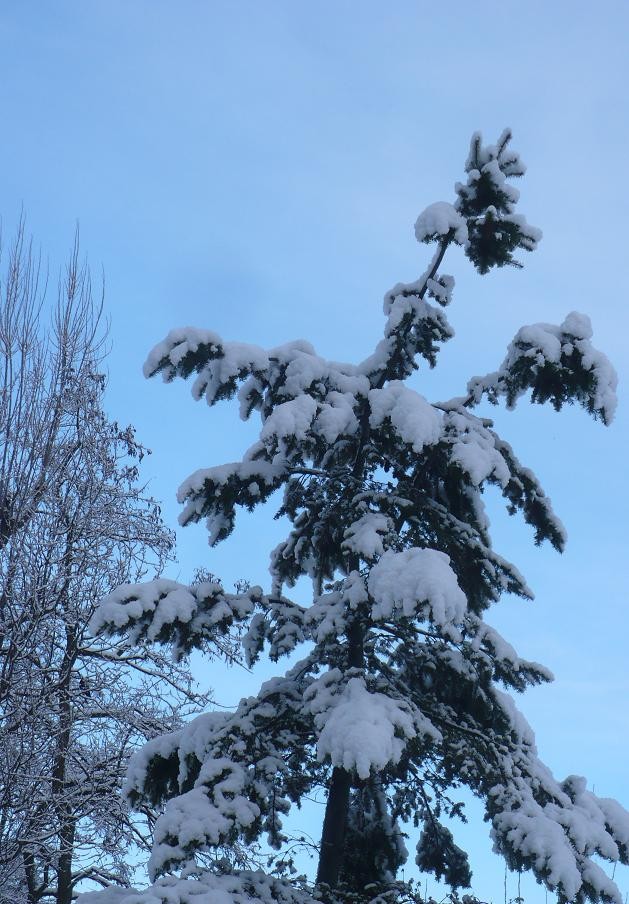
(256, 168)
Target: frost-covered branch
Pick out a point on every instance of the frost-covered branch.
(556, 364)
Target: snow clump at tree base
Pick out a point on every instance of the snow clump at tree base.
(400, 697)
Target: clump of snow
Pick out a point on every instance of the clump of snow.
(518, 723)
(142, 611)
(282, 625)
(531, 234)
(176, 345)
(327, 616)
(291, 419)
(193, 821)
(296, 368)
(161, 747)
(541, 839)
(336, 417)
(358, 729)
(577, 325)
(474, 449)
(238, 359)
(441, 288)
(418, 583)
(261, 471)
(556, 827)
(616, 817)
(204, 887)
(194, 740)
(365, 536)
(413, 418)
(165, 600)
(480, 154)
(202, 490)
(439, 219)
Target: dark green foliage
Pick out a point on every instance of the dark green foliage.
(487, 201)
(374, 850)
(438, 854)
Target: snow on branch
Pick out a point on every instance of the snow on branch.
(525, 494)
(358, 729)
(413, 327)
(472, 447)
(244, 887)
(210, 814)
(438, 220)
(328, 616)
(285, 371)
(507, 666)
(558, 364)
(167, 612)
(418, 583)
(556, 828)
(282, 624)
(412, 418)
(214, 493)
(367, 534)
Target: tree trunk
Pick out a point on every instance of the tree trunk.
(334, 828)
(64, 863)
(66, 818)
(29, 872)
(337, 805)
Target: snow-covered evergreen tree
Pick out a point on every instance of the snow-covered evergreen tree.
(400, 695)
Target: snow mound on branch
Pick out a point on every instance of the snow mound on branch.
(541, 838)
(365, 535)
(220, 475)
(169, 612)
(193, 741)
(474, 449)
(568, 350)
(337, 417)
(290, 419)
(162, 748)
(413, 418)
(557, 834)
(418, 583)
(437, 220)
(328, 613)
(165, 600)
(207, 888)
(177, 344)
(192, 819)
(203, 817)
(360, 730)
(519, 725)
(237, 358)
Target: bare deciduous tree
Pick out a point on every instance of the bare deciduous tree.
(74, 523)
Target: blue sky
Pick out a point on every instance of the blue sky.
(256, 168)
